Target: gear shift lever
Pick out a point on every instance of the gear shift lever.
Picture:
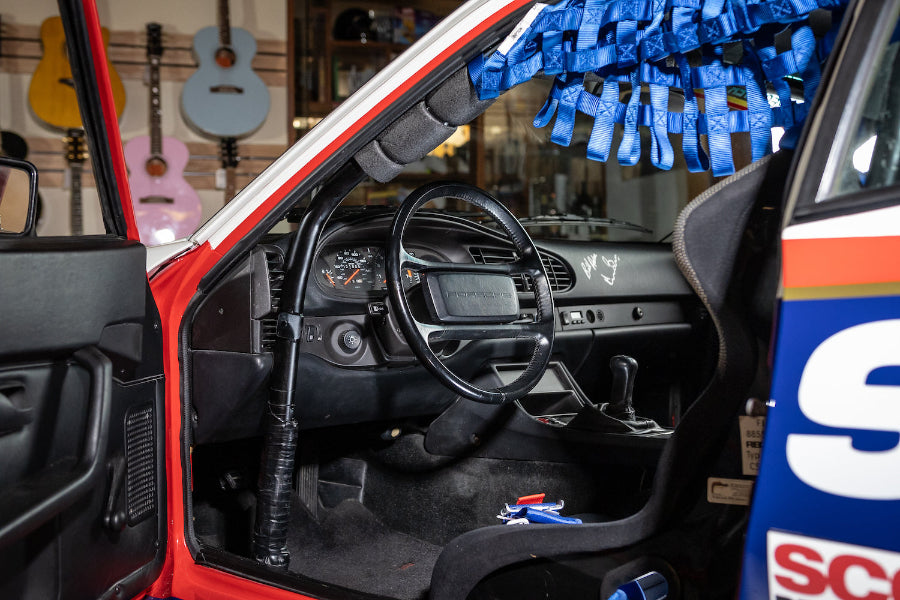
(623, 370)
(617, 415)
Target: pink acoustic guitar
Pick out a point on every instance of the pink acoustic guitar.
(166, 207)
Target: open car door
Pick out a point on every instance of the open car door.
(82, 512)
(825, 509)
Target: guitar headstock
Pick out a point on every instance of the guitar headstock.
(76, 150)
(154, 40)
(228, 149)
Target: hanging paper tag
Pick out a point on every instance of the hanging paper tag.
(751, 443)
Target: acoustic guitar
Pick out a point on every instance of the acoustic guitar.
(12, 144)
(166, 207)
(224, 97)
(76, 153)
(51, 93)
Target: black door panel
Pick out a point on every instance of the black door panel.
(82, 512)
(57, 295)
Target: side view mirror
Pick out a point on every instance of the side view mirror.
(18, 197)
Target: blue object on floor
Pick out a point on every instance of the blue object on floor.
(650, 586)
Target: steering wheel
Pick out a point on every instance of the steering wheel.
(471, 301)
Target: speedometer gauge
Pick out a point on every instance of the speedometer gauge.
(353, 269)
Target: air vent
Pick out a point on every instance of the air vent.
(558, 272)
(275, 263)
(492, 256)
(140, 464)
(275, 266)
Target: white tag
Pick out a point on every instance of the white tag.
(521, 28)
(728, 491)
(751, 443)
(220, 178)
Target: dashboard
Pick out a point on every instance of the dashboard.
(353, 362)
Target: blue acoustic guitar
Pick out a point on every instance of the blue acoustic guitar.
(225, 98)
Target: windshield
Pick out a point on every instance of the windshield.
(555, 190)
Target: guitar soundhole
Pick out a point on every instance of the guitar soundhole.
(156, 166)
(225, 57)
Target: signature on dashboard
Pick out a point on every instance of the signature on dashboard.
(589, 265)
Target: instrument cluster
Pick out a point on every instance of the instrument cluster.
(357, 270)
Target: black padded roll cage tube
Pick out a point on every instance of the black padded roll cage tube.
(273, 507)
(410, 137)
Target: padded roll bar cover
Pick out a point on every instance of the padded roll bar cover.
(422, 128)
(414, 135)
(376, 163)
(456, 100)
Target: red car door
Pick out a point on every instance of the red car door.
(83, 509)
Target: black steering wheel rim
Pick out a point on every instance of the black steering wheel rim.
(529, 262)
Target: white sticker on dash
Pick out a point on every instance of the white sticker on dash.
(521, 28)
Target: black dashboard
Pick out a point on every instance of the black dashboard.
(355, 365)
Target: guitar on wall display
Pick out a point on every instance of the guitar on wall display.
(75, 155)
(51, 92)
(166, 207)
(224, 97)
(228, 148)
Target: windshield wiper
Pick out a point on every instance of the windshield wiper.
(569, 219)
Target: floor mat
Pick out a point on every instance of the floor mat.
(351, 548)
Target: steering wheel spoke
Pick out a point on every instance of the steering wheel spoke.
(490, 331)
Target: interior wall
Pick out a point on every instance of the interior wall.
(265, 19)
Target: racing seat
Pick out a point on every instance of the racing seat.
(707, 238)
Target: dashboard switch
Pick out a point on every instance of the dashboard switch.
(377, 309)
(572, 317)
(351, 340)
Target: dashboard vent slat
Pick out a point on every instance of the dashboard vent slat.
(275, 266)
(558, 272)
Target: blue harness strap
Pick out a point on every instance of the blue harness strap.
(660, 46)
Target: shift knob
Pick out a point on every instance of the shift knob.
(623, 370)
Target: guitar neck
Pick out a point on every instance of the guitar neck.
(230, 183)
(155, 112)
(224, 25)
(75, 217)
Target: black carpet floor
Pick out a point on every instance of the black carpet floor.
(351, 548)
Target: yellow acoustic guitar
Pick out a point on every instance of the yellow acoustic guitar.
(52, 90)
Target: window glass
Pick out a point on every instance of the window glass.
(872, 159)
(557, 190)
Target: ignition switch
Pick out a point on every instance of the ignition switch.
(350, 340)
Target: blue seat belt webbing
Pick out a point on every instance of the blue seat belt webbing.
(663, 46)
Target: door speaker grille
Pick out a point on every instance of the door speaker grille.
(140, 459)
